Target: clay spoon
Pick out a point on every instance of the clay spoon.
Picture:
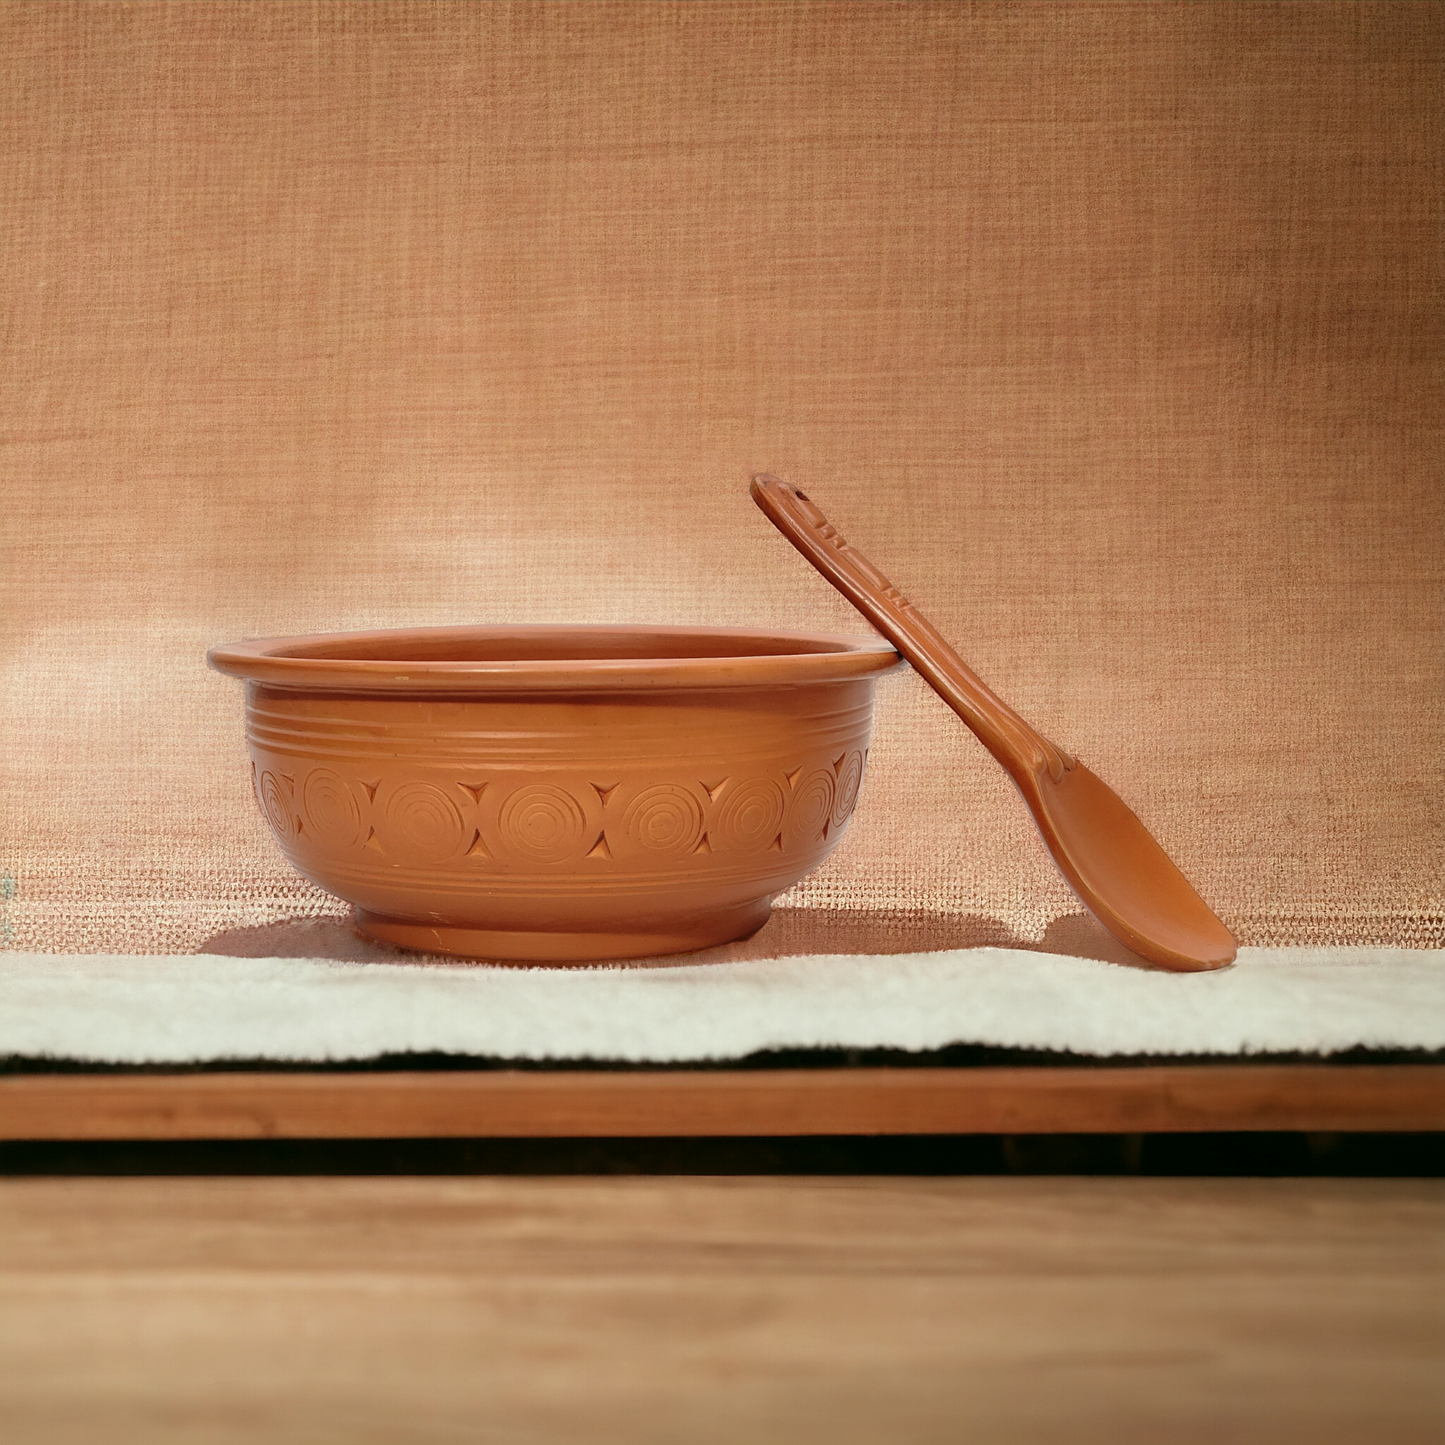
(1107, 856)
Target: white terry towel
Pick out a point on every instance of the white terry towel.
(177, 1009)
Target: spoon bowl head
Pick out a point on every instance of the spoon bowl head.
(1122, 875)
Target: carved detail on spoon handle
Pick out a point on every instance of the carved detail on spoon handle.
(997, 725)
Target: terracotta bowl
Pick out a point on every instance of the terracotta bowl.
(558, 793)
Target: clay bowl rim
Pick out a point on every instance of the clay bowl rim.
(300, 662)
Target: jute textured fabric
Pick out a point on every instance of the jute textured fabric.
(1112, 332)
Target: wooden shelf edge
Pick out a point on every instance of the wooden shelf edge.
(753, 1102)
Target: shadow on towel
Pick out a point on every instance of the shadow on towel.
(788, 933)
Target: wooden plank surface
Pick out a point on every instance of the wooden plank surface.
(632, 1311)
(522, 1104)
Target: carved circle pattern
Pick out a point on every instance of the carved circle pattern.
(424, 824)
(750, 816)
(664, 820)
(544, 823)
(812, 805)
(850, 775)
(332, 812)
(277, 805)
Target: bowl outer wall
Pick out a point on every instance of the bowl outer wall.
(511, 821)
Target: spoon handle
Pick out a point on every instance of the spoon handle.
(1016, 745)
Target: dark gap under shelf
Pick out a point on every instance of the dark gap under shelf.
(1161, 1155)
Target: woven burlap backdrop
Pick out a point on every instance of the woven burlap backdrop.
(1110, 331)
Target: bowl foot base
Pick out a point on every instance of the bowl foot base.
(537, 946)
